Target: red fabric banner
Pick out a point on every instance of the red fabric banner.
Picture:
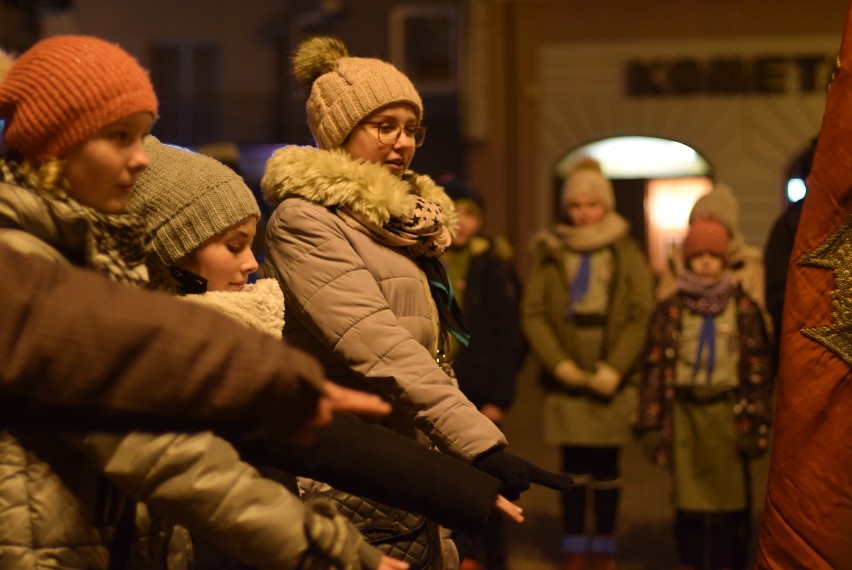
(808, 513)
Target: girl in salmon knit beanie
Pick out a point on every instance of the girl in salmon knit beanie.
(76, 109)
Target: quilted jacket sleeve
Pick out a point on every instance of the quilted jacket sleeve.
(197, 480)
(329, 287)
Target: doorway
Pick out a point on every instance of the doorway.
(656, 183)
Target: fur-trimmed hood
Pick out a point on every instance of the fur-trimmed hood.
(334, 179)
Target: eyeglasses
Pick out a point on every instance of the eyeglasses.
(388, 133)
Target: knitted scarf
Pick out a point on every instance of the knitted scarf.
(705, 297)
(114, 244)
(594, 236)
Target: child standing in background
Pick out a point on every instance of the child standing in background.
(585, 313)
(705, 401)
(486, 287)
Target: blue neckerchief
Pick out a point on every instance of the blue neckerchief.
(580, 283)
(706, 337)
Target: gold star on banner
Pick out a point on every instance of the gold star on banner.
(835, 254)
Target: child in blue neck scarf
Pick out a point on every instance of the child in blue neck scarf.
(585, 312)
(705, 401)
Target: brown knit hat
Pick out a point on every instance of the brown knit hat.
(344, 90)
(63, 89)
(186, 198)
(706, 235)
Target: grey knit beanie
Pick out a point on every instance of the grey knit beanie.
(186, 198)
(720, 204)
(344, 90)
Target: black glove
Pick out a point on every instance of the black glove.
(517, 474)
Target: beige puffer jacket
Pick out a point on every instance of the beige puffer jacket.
(364, 309)
(58, 501)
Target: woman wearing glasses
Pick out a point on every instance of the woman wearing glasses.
(354, 242)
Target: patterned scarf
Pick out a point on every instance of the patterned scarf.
(422, 233)
(424, 236)
(114, 243)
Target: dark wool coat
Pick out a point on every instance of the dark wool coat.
(486, 368)
(753, 396)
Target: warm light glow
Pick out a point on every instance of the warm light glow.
(641, 157)
(668, 203)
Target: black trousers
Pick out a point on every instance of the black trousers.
(713, 541)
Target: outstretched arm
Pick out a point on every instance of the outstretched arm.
(79, 350)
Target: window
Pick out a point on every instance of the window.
(186, 78)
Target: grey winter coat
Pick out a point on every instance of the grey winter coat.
(59, 506)
(362, 308)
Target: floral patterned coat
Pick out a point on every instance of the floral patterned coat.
(753, 395)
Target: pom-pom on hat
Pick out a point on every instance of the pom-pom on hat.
(63, 89)
(344, 90)
(706, 235)
(186, 198)
(586, 177)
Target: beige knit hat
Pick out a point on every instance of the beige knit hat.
(719, 204)
(186, 198)
(344, 90)
(586, 177)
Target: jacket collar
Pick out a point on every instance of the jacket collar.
(333, 179)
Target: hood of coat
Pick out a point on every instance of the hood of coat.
(334, 179)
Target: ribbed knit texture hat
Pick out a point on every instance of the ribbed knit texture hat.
(586, 177)
(344, 90)
(186, 198)
(63, 89)
(706, 235)
(721, 204)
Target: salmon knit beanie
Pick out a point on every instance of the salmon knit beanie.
(185, 198)
(586, 177)
(64, 89)
(344, 90)
(706, 235)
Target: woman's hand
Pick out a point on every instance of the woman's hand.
(339, 399)
(509, 509)
(389, 563)
(493, 413)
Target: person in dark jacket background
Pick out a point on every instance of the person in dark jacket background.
(487, 288)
